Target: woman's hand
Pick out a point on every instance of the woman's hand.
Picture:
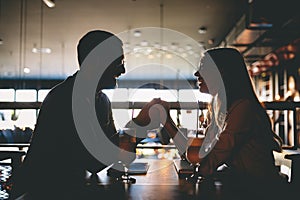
(149, 115)
(164, 112)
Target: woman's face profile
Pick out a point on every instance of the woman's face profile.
(208, 76)
(201, 83)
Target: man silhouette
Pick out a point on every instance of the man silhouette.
(56, 163)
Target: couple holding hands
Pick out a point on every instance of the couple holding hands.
(239, 135)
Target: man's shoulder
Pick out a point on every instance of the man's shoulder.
(61, 91)
(67, 84)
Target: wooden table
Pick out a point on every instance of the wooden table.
(161, 182)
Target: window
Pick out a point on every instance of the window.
(26, 95)
(7, 95)
(42, 94)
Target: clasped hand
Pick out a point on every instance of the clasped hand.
(153, 114)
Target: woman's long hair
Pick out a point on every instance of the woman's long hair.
(238, 85)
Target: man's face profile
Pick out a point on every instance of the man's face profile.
(110, 75)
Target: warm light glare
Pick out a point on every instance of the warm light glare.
(291, 56)
(211, 41)
(255, 69)
(277, 97)
(291, 83)
(150, 56)
(289, 93)
(169, 56)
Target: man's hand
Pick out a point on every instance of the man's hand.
(153, 114)
(149, 115)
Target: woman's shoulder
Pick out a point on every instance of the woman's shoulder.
(241, 105)
(241, 110)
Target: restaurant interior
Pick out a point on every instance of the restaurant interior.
(163, 41)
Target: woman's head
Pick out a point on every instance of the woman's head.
(229, 65)
(225, 67)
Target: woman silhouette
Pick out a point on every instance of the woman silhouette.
(239, 135)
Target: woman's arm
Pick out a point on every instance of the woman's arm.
(179, 139)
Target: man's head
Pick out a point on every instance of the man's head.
(88, 42)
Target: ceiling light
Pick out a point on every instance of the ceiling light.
(41, 50)
(46, 50)
(144, 43)
(26, 70)
(137, 33)
(202, 30)
(35, 50)
(49, 3)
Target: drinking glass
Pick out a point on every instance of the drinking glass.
(192, 156)
(127, 145)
